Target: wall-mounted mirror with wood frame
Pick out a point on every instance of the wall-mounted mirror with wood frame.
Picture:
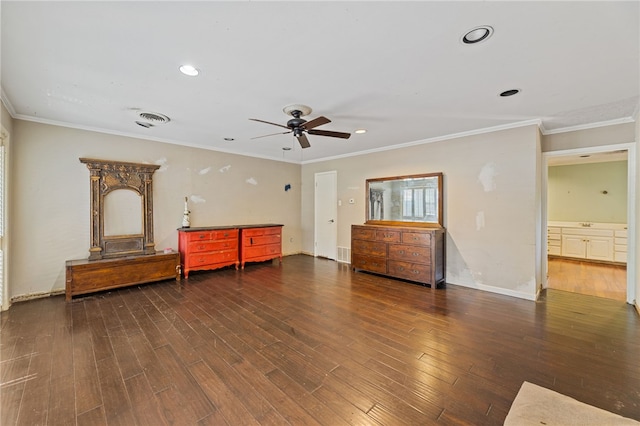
(405, 200)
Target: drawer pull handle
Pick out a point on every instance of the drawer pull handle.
(401, 251)
(201, 236)
(416, 253)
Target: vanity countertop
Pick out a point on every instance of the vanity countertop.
(588, 225)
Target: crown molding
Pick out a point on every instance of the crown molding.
(7, 103)
(535, 122)
(589, 126)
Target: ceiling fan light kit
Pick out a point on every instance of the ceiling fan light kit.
(299, 126)
(302, 109)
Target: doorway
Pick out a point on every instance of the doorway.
(326, 212)
(582, 275)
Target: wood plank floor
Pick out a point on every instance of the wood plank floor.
(595, 279)
(308, 342)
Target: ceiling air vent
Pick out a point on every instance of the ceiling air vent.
(154, 117)
(144, 124)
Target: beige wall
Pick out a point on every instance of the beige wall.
(491, 203)
(598, 136)
(491, 191)
(51, 196)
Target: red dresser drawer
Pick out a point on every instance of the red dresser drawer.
(221, 234)
(206, 246)
(211, 258)
(261, 239)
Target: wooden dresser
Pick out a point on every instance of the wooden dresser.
(207, 248)
(410, 253)
(260, 242)
(87, 276)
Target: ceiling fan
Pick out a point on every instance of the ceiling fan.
(299, 126)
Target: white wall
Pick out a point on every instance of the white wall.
(491, 203)
(51, 196)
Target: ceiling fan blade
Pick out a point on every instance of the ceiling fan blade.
(341, 135)
(268, 122)
(316, 122)
(304, 142)
(272, 134)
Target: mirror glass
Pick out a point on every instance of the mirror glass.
(122, 213)
(415, 199)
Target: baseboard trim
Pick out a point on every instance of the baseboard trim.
(32, 296)
(500, 290)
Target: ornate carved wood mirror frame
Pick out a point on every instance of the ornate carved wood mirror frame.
(105, 177)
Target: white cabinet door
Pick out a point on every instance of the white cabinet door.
(574, 246)
(600, 248)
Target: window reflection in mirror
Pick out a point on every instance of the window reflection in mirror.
(415, 199)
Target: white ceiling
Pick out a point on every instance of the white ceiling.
(397, 69)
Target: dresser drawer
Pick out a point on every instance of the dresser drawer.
(370, 248)
(196, 260)
(259, 251)
(249, 232)
(260, 239)
(408, 253)
(421, 238)
(410, 271)
(363, 233)
(388, 235)
(369, 263)
(212, 235)
(205, 246)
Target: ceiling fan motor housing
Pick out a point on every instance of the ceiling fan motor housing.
(296, 122)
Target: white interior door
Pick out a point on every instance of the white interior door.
(326, 212)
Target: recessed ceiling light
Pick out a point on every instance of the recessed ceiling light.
(189, 70)
(229, 139)
(477, 34)
(360, 131)
(510, 92)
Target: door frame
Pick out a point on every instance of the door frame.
(631, 208)
(334, 203)
(5, 301)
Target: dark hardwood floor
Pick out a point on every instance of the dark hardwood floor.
(308, 342)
